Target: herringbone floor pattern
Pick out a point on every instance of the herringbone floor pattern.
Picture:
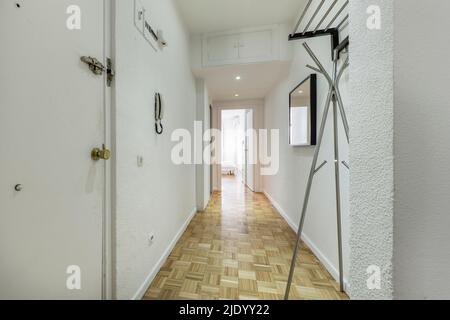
(240, 248)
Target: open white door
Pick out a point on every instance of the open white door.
(249, 151)
(52, 115)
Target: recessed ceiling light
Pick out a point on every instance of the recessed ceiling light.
(236, 95)
(301, 91)
(238, 78)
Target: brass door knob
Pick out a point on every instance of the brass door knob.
(101, 154)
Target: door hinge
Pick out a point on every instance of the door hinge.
(110, 73)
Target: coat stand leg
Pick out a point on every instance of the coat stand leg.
(334, 98)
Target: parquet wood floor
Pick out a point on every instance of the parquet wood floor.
(240, 248)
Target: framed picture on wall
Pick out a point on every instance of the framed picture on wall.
(303, 113)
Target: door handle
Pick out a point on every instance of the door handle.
(100, 154)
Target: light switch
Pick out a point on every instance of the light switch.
(139, 15)
(140, 161)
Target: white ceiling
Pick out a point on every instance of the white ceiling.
(219, 15)
(256, 80)
(203, 16)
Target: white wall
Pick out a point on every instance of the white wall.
(371, 151)
(160, 197)
(399, 111)
(422, 153)
(286, 189)
(203, 172)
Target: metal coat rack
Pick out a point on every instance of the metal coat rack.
(333, 99)
(328, 29)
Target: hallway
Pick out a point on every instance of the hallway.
(240, 248)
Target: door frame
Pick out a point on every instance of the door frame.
(257, 105)
(248, 145)
(108, 287)
(211, 167)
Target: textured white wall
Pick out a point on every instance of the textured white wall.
(287, 188)
(160, 196)
(371, 151)
(422, 153)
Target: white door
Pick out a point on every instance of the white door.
(249, 151)
(52, 114)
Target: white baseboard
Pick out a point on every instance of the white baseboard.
(149, 279)
(322, 258)
(276, 205)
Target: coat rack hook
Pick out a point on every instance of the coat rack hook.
(326, 15)
(346, 165)
(297, 25)
(337, 15)
(314, 16)
(321, 166)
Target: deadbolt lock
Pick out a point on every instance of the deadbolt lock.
(101, 154)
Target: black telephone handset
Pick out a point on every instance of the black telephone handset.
(159, 114)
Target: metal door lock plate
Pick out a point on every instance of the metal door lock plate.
(94, 65)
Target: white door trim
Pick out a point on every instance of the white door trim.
(107, 259)
(257, 106)
(248, 146)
